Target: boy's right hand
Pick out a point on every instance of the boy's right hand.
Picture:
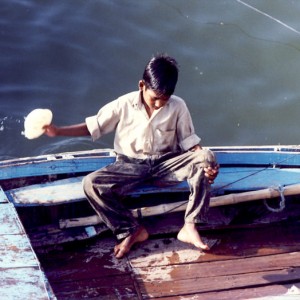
(50, 130)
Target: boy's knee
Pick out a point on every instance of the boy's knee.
(206, 157)
(87, 182)
(210, 156)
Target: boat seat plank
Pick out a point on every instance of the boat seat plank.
(229, 180)
(70, 190)
(56, 192)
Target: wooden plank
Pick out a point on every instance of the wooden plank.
(236, 263)
(64, 156)
(214, 283)
(235, 244)
(84, 262)
(240, 266)
(21, 276)
(3, 197)
(69, 190)
(87, 161)
(229, 179)
(57, 192)
(247, 179)
(114, 289)
(89, 271)
(23, 283)
(268, 148)
(53, 164)
(215, 216)
(86, 269)
(268, 292)
(165, 208)
(163, 252)
(267, 158)
(291, 294)
(16, 252)
(10, 223)
(52, 235)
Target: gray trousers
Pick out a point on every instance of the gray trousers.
(106, 187)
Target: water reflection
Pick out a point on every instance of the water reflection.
(239, 65)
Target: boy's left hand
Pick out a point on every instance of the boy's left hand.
(211, 173)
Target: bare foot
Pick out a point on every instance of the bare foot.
(138, 236)
(189, 234)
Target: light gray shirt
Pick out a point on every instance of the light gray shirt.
(169, 129)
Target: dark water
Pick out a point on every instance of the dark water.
(239, 65)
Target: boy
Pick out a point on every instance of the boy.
(154, 139)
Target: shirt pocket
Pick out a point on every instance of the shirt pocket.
(165, 139)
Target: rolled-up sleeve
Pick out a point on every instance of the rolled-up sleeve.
(190, 142)
(105, 121)
(93, 127)
(187, 138)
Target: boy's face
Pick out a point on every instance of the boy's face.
(151, 98)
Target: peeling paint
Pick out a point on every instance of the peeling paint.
(161, 256)
(107, 246)
(165, 252)
(20, 276)
(293, 293)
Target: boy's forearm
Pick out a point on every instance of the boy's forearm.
(72, 130)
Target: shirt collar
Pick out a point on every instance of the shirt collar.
(137, 102)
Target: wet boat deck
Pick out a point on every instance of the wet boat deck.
(21, 275)
(244, 263)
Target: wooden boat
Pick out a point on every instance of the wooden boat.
(47, 190)
(257, 189)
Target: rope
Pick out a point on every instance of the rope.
(269, 16)
(273, 165)
(281, 203)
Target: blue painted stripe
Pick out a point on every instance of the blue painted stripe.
(39, 166)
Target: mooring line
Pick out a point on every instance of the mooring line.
(269, 16)
(270, 165)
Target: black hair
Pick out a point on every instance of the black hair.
(161, 74)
